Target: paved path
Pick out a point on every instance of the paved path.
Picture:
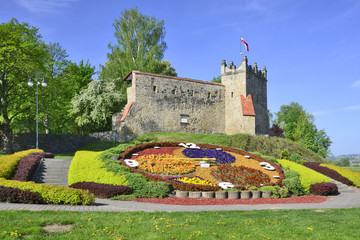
(344, 200)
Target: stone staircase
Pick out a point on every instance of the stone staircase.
(53, 171)
(342, 188)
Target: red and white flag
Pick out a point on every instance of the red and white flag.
(245, 43)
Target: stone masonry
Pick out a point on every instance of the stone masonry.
(173, 104)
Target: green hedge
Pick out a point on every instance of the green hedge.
(307, 176)
(351, 175)
(53, 194)
(8, 163)
(86, 166)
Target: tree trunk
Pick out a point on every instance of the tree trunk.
(7, 139)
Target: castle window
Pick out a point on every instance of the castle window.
(154, 88)
(184, 118)
(232, 94)
(209, 95)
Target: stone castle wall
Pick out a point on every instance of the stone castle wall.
(173, 104)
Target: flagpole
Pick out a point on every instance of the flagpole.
(240, 46)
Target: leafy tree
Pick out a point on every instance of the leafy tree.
(94, 106)
(344, 162)
(140, 46)
(216, 79)
(22, 52)
(299, 126)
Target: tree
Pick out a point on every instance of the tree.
(22, 52)
(94, 106)
(216, 79)
(299, 126)
(344, 162)
(140, 46)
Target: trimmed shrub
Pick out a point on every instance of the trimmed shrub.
(27, 166)
(285, 154)
(86, 166)
(16, 195)
(328, 172)
(153, 190)
(308, 177)
(8, 163)
(53, 194)
(324, 189)
(293, 183)
(272, 189)
(103, 190)
(351, 175)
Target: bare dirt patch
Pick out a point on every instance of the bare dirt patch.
(57, 228)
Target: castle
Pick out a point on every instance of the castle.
(163, 103)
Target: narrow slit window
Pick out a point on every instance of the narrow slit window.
(232, 94)
(209, 95)
(154, 88)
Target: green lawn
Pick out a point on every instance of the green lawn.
(355, 169)
(267, 224)
(95, 146)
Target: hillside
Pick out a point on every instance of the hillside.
(271, 146)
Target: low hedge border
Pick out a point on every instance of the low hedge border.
(324, 189)
(8, 163)
(328, 172)
(308, 176)
(27, 166)
(103, 190)
(16, 195)
(53, 194)
(191, 187)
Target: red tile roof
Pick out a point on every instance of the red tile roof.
(247, 105)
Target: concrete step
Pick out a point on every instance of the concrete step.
(53, 171)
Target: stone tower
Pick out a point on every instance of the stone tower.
(245, 98)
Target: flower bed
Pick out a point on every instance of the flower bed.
(173, 148)
(192, 180)
(165, 164)
(240, 175)
(103, 190)
(351, 175)
(221, 156)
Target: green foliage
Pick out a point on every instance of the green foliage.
(269, 158)
(53, 194)
(8, 163)
(285, 154)
(130, 197)
(216, 79)
(140, 46)
(94, 106)
(344, 162)
(153, 190)
(292, 182)
(86, 166)
(351, 175)
(307, 176)
(299, 126)
(272, 189)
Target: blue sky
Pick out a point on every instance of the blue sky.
(311, 48)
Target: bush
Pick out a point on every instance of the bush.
(328, 172)
(27, 166)
(292, 182)
(103, 190)
(285, 154)
(294, 158)
(131, 197)
(307, 176)
(324, 189)
(16, 195)
(351, 175)
(276, 131)
(153, 190)
(53, 194)
(86, 166)
(8, 163)
(272, 189)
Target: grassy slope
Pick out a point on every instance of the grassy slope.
(355, 169)
(265, 145)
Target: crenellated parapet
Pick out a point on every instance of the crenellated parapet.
(243, 67)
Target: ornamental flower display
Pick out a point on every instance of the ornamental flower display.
(192, 180)
(165, 164)
(240, 175)
(221, 156)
